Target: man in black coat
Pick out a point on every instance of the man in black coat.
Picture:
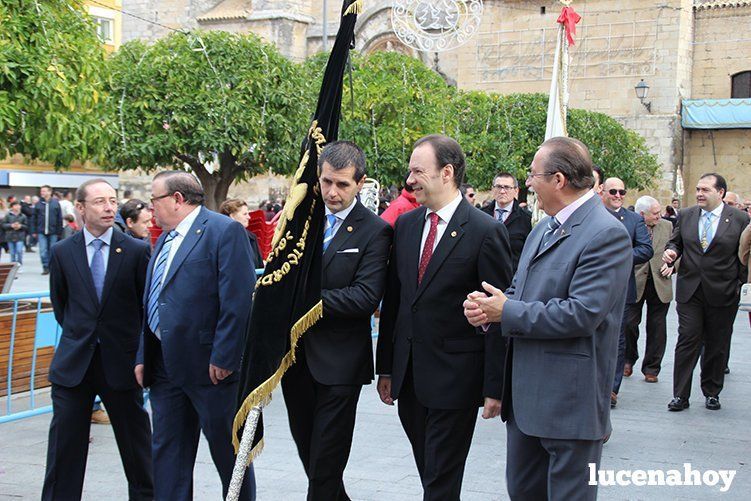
(335, 358)
(46, 224)
(613, 194)
(506, 209)
(429, 358)
(97, 280)
(710, 275)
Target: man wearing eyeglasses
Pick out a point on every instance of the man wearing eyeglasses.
(97, 279)
(197, 302)
(613, 194)
(506, 210)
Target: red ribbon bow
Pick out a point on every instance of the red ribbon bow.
(568, 19)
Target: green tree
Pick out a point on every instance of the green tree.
(397, 100)
(228, 106)
(51, 67)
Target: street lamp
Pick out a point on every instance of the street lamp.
(642, 89)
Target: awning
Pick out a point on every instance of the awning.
(54, 179)
(716, 114)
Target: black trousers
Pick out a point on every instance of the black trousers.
(547, 468)
(322, 420)
(440, 440)
(657, 312)
(68, 445)
(702, 326)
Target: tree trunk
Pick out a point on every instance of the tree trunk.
(215, 185)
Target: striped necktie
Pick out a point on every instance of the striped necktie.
(707, 234)
(553, 225)
(328, 234)
(155, 290)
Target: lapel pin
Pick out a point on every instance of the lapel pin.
(350, 229)
(118, 250)
(198, 232)
(621, 218)
(453, 233)
(727, 220)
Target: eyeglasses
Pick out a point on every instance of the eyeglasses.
(154, 199)
(615, 192)
(530, 175)
(504, 187)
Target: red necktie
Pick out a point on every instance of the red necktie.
(427, 250)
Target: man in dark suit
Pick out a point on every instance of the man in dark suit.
(613, 193)
(710, 275)
(97, 279)
(562, 316)
(438, 367)
(506, 209)
(197, 301)
(335, 358)
(46, 225)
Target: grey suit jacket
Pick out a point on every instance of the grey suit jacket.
(663, 285)
(563, 319)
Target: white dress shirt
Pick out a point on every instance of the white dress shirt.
(182, 230)
(341, 216)
(504, 215)
(444, 216)
(105, 237)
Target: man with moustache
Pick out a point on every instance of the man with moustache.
(653, 287)
(710, 275)
(97, 278)
(439, 368)
(335, 357)
(562, 317)
(506, 210)
(613, 194)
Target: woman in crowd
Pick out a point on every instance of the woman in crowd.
(238, 210)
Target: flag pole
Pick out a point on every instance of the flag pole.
(243, 454)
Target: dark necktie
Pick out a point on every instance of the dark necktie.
(427, 250)
(97, 267)
(553, 225)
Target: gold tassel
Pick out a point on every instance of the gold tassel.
(354, 8)
(262, 395)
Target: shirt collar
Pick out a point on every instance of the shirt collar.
(446, 213)
(717, 212)
(105, 237)
(506, 207)
(184, 226)
(566, 212)
(342, 214)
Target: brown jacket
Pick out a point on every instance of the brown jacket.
(663, 285)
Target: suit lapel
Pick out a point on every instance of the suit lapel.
(113, 263)
(348, 228)
(449, 239)
(726, 217)
(412, 246)
(574, 220)
(513, 215)
(195, 233)
(692, 223)
(82, 265)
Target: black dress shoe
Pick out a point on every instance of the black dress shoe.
(712, 403)
(678, 404)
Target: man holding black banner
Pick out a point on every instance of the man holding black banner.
(335, 357)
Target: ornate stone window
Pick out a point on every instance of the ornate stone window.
(741, 85)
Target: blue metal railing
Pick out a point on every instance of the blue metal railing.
(47, 333)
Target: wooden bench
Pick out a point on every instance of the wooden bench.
(7, 275)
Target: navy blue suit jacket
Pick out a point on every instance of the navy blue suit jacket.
(640, 242)
(114, 322)
(55, 214)
(204, 304)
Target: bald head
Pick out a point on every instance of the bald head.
(613, 193)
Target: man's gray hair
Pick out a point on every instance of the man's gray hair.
(644, 204)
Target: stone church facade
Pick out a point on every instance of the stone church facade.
(682, 49)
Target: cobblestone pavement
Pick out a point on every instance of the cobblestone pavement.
(646, 436)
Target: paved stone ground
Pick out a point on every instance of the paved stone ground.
(646, 436)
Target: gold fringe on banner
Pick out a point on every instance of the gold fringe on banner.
(354, 8)
(262, 395)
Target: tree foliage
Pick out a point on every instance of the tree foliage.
(228, 105)
(51, 67)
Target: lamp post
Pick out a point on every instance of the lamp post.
(642, 90)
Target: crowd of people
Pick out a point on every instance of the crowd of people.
(479, 308)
